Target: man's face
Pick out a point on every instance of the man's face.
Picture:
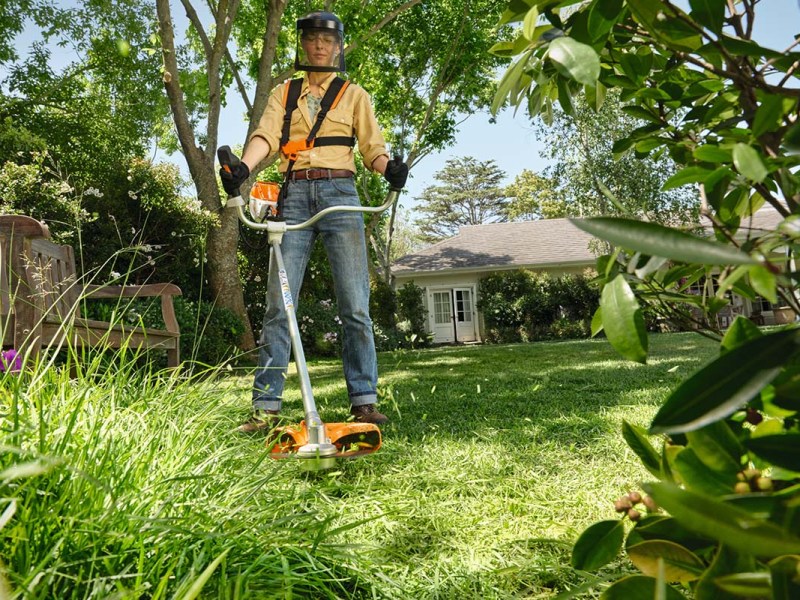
(320, 47)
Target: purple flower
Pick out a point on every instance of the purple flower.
(10, 360)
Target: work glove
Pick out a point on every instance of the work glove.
(233, 179)
(396, 173)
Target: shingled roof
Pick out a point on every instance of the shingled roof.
(549, 242)
(527, 244)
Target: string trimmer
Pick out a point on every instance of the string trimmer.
(318, 443)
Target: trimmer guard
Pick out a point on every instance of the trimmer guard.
(350, 439)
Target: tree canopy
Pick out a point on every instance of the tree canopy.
(470, 193)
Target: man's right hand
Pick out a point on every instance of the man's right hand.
(233, 179)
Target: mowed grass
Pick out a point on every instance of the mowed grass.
(125, 485)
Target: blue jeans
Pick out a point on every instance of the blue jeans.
(342, 235)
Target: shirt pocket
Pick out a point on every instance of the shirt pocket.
(339, 122)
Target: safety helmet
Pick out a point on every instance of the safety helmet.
(320, 43)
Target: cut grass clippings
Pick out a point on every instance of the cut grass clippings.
(128, 485)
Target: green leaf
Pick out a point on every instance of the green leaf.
(717, 447)
(709, 13)
(768, 115)
(509, 80)
(726, 561)
(636, 438)
(516, 11)
(657, 240)
(639, 587)
(597, 321)
(746, 585)
(744, 47)
(598, 545)
(698, 477)
(529, 24)
(742, 330)
(782, 450)
(764, 282)
(726, 384)
(792, 139)
(712, 153)
(623, 322)
(602, 17)
(680, 563)
(748, 162)
(785, 580)
(659, 527)
(721, 521)
(667, 29)
(686, 176)
(575, 60)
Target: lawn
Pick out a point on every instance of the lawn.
(124, 485)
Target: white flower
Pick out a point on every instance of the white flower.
(257, 278)
(93, 192)
(132, 195)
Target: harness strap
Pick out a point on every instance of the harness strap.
(330, 100)
(290, 148)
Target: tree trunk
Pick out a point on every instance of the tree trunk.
(221, 250)
(222, 241)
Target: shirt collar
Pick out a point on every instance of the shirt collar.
(323, 86)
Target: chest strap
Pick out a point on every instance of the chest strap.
(290, 148)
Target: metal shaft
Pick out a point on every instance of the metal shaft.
(318, 441)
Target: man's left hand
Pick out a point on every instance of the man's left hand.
(396, 173)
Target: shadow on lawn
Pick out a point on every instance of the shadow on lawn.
(558, 390)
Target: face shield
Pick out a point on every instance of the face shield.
(320, 43)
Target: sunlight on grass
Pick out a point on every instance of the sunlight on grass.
(495, 458)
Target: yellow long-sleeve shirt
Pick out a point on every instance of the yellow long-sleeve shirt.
(353, 115)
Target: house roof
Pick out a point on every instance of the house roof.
(548, 242)
(540, 244)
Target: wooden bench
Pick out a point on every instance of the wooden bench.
(41, 297)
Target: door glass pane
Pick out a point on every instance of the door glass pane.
(463, 306)
(441, 308)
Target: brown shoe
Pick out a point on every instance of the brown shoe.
(260, 420)
(366, 413)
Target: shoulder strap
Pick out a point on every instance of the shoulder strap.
(290, 96)
(329, 101)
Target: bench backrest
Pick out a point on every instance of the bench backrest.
(37, 278)
(53, 268)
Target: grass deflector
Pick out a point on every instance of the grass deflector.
(318, 444)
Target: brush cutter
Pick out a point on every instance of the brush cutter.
(317, 442)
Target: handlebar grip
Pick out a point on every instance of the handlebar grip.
(227, 158)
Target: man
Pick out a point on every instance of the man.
(316, 178)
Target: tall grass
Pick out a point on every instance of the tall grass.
(123, 483)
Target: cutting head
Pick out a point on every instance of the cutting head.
(349, 439)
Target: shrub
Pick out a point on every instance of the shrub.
(411, 315)
(521, 306)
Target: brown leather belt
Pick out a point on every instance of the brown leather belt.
(310, 174)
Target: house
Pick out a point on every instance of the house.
(449, 272)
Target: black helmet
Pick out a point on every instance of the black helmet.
(325, 30)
